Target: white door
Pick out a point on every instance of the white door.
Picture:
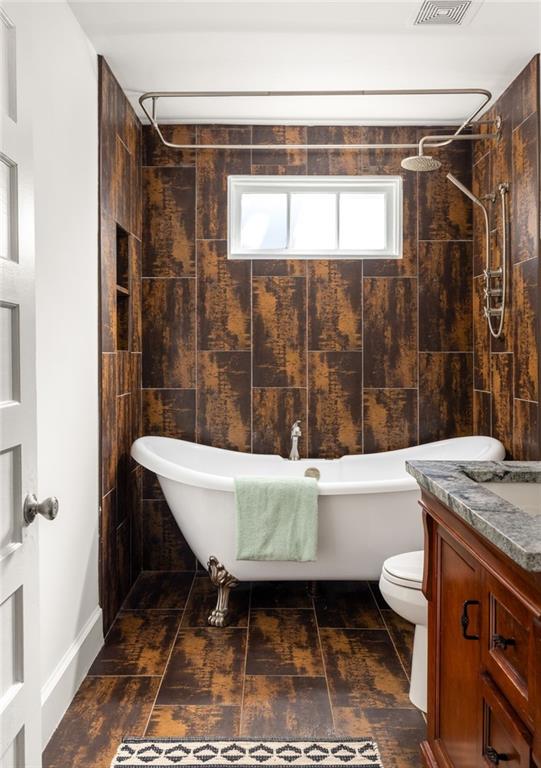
(20, 711)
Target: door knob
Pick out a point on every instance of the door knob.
(48, 508)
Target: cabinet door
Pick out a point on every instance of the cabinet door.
(508, 647)
(458, 726)
(505, 738)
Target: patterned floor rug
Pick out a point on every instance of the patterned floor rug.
(188, 753)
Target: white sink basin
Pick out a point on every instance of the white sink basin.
(526, 496)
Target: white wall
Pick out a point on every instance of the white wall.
(281, 44)
(66, 210)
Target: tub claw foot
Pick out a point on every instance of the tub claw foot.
(225, 582)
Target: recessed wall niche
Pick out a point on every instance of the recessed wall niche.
(122, 289)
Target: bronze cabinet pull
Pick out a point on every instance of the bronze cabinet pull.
(465, 620)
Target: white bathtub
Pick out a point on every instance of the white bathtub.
(368, 507)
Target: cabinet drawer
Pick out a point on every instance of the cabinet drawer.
(507, 646)
(506, 741)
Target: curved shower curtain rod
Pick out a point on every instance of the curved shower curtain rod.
(154, 96)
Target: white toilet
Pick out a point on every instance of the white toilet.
(400, 584)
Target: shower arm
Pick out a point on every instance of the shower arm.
(154, 96)
(462, 137)
(501, 272)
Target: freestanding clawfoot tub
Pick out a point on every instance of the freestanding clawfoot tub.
(367, 506)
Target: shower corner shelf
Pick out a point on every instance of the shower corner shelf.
(122, 292)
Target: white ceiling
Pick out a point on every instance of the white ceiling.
(304, 45)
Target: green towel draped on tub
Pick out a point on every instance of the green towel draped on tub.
(276, 518)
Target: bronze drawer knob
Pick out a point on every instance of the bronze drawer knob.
(495, 757)
(499, 641)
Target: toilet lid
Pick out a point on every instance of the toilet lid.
(405, 569)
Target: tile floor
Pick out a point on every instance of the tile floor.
(286, 666)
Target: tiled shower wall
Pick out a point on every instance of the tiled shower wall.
(235, 351)
(120, 337)
(371, 355)
(506, 370)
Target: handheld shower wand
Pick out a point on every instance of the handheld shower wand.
(499, 291)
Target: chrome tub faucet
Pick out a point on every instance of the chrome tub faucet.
(295, 434)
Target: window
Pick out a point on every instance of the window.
(310, 217)
(8, 209)
(8, 66)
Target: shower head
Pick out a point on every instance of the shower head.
(420, 163)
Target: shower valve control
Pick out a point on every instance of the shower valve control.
(493, 272)
(32, 508)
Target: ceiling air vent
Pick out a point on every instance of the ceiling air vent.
(442, 12)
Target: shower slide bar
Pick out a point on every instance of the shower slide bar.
(498, 290)
(154, 96)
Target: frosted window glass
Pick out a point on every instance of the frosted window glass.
(5, 210)
(10, 641)
(362, 222)
(263, 222)
(313, 221)
(8, 102)
(10, 496)
(13, 757)
(314, 217)
(9, 357)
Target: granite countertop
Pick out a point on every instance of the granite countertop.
(514, 530)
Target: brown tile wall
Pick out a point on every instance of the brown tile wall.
(506, 370)
(121, 550)
(234, 352)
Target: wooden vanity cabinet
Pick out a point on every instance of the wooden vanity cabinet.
(484, 650)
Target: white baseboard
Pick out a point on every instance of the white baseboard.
(62, 685)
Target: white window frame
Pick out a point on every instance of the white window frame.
(390, 186)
